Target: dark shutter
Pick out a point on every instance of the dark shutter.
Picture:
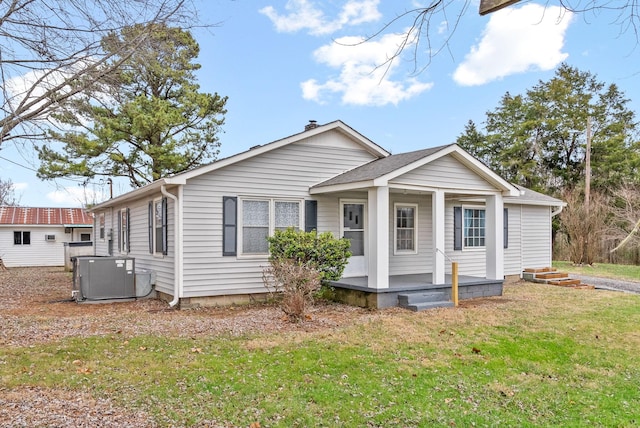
(310, 216)
(151, 213)
(457, 228)
(120, 246)
(229, 225)
(165, 232)
(506, 228)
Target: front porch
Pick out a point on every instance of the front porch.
(354, 290)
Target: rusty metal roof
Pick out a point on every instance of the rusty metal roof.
(45, 216)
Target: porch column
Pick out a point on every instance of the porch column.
(494, 237)
(437, 228)
(378, 234)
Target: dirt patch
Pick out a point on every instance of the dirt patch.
(35, 307)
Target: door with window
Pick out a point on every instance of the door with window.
(353, 228)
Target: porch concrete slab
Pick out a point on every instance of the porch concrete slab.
(354, 290)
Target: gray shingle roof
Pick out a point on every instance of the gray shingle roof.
(533, 196)
(380, 167)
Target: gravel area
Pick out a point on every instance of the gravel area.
(35, 308)
(609, 284)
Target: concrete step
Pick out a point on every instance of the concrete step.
(406, 299)
(428, 305)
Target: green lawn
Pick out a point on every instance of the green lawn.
(605, 270)
(538, 356)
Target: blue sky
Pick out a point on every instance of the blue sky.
(283, 63)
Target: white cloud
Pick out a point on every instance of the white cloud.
(305, 15)
(75, 196)
(514, 41)
(362, 79)
(19, 186)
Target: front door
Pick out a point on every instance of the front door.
(353, 228)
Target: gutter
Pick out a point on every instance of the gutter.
(177, 256)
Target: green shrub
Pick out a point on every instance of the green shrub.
(320, 251)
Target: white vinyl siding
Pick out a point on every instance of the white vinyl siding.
(445, 173)
(39, 251)
(536, 236)
(513, 254)
(282, 174)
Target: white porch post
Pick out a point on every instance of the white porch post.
(494, 237)
(437, 227)
(378, 234)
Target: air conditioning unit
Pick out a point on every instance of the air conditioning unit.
(49, 238)
(103, 278)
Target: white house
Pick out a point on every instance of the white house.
(407, 215)
(37, 236)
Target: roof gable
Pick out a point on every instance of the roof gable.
(44, 216)
(179, 179)
(381, 171)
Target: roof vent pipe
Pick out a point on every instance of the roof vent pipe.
(312, 124)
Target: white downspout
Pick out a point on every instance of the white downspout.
(177, 248)
(557, 211)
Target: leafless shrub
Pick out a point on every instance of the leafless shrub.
(584, 225)
(624, 236)
(295, 285)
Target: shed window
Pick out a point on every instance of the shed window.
(22, 238)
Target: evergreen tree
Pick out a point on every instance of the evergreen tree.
(538, 140)
(147, 122)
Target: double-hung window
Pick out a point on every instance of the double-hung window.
(474, 228)
(158, 225)
(123, 223)
(261, 217)
(406, 227)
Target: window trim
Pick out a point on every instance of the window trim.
(466, 247)
(272, 208)
(400, 252)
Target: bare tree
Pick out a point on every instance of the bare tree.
(584, 226)
(626, 218)
(7, 193)
(420, 23)
(50, 50)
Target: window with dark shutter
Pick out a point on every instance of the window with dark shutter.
(230, 225)
(457, 228)
(310, 216)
